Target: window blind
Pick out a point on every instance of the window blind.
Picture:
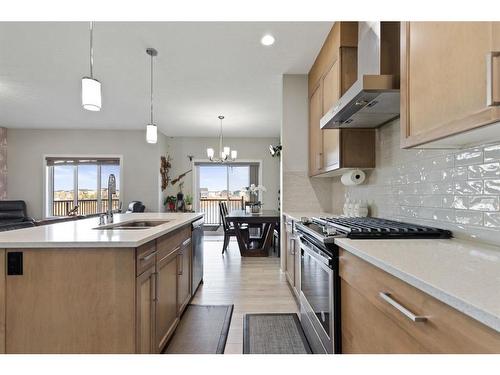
(81, 161)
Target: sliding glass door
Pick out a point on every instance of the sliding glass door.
(223, 183)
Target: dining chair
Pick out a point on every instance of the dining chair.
(229, 230)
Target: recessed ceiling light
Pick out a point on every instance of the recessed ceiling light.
(267, 40)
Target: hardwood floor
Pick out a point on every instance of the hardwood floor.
(253, 285)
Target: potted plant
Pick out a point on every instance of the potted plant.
(189, 202)
(170, 200)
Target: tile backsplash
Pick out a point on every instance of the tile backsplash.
(452, 189)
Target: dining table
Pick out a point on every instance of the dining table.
(265, 220)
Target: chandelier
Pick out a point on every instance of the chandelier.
(225, 153)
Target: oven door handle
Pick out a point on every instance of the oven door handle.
(313, 254)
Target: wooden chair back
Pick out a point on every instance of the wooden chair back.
(224, 205)
(223, 214)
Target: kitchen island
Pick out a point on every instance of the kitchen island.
(80, 287)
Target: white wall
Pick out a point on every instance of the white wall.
(27, 147)
(248, 149)
(300, 193)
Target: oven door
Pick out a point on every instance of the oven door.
(316, 297)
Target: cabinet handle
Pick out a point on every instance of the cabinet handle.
(403, 310)
(490, 100)
(148, 257)
(292, 246)
(181, 270)
(156, 298)
(186, 242)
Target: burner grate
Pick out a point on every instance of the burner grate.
(382, 228)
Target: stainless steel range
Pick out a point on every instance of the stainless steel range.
(319, 280)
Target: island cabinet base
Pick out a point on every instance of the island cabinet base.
(72, 301)
(2, 301)
(94, 300)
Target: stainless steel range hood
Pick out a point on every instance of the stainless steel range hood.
(373, 99)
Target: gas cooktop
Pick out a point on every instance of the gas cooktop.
(369, 228)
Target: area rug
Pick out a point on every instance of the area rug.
(274, 334)
(203, 329)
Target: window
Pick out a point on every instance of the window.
(226, 182)
(80, 185)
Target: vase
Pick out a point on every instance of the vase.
(255, 209)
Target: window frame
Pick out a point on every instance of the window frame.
(48, 175)
(199, 162)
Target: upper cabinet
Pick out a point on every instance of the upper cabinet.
(333, 72)
(450, 83)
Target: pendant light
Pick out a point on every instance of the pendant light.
(225, 153)
(151, 129)
(91, 87)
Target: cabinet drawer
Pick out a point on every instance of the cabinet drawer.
(145, 257)
(170, 241)
(365, 329)
(445, 329)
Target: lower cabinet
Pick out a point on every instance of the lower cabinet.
(146, 290)
(2, 298)
(382, 314)
(292, 258)
(367, 330)
(297, 268)
(163, 290)
(167, 317)
(184, 275)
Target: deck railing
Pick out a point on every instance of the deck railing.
(85, 206)
(210, 207)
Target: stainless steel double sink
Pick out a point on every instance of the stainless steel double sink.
(133, 225)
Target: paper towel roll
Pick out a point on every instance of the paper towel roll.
(354, 177)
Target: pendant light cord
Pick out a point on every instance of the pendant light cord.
(92, 49)
(152, 89)
(221, 140)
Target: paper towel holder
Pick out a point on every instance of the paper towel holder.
(353, 177)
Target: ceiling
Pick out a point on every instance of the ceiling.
(203, 69)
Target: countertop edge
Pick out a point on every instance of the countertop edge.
(464, 307)
(101, 244)
(297, 215)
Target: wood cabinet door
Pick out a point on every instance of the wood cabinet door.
(331, 137)
(444, 79)
(297, 261)
(166, 303)
(290, 260)
(315, 133)
(145, 325)
(184, 275)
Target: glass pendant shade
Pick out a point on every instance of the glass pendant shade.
(234, 154)
(91, 94)
(151, 133)
(227, 150)
(210, 153)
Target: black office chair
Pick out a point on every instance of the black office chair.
(135, 206)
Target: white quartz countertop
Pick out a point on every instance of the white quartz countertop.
(462, 274)
(82, 233)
